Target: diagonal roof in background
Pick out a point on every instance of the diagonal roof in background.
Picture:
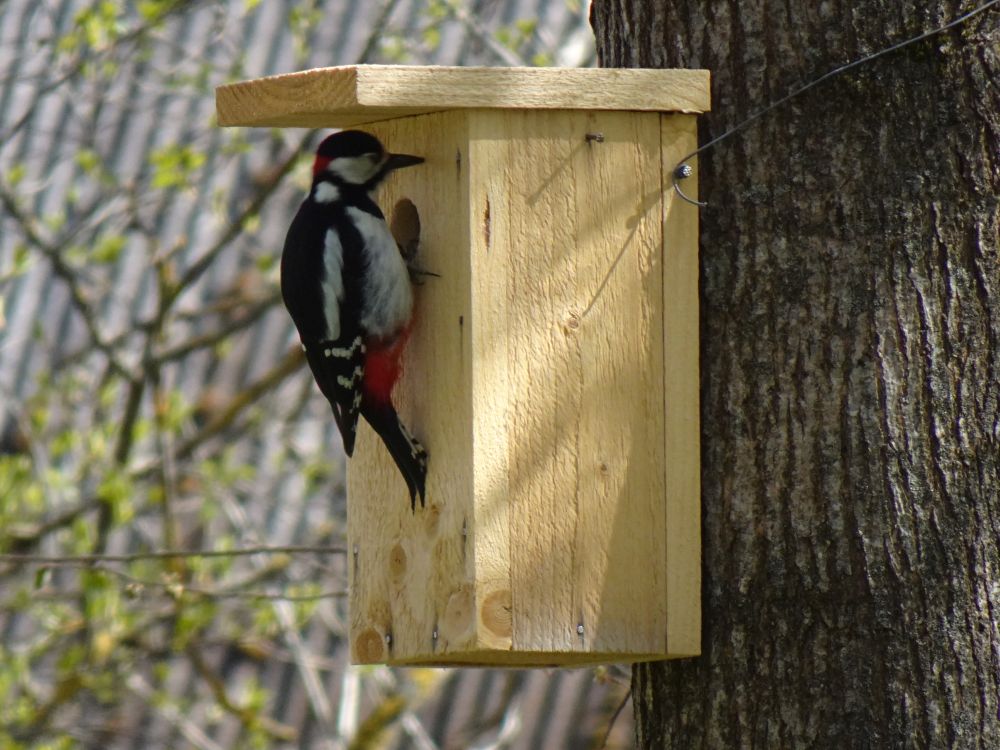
(158, 106)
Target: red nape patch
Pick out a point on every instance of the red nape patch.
(320, 164)
(383, 368)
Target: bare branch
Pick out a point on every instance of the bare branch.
(293, 549)
(235, 228)
(212, 338)
(66, 274)
(292, 361)
(247, 716)
(614, 719)
(175, 589)
(460, 13)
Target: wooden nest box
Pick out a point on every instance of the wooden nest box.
(553, 370)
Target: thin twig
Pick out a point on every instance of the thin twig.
(247, 716)
(176, 589)
(235, 228)
(461, 14)
(66, 274)
(614, 719)
(293, 549)
(292, 362)
(212, 338)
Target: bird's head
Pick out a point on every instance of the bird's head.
(356, 158)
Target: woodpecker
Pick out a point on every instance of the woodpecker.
(347, 288)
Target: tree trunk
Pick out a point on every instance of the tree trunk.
(850, 323)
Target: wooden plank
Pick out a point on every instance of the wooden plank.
(411, 572)
(619, 554)
(355, 94)
(490, 174)
(518, 659)
(681, 390)
(576, 225)
(533, 220)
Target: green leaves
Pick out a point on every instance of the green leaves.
(174, 166)
(108, 248)
(94, 26)
(116, 491)
(153, 11)
(15, 174)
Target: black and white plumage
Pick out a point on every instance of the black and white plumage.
(348, 290)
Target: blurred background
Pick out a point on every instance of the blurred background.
(152, 395)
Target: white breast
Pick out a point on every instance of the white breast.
(388, 296)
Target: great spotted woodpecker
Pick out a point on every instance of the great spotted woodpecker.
(348, 290)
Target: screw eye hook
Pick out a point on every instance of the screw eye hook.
(682, 172)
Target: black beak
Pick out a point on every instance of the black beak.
(398, 161)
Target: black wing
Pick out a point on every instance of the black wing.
(339, 368)
(312, 298)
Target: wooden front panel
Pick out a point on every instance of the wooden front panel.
(568, 266)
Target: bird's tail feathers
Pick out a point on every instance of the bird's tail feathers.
(409, 455)
(338, 376)
(347, 423)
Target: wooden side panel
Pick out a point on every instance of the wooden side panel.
(412, 573)
(576, 224)
(681, 388)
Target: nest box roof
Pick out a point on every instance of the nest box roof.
(356, 94)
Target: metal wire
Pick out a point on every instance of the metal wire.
(683, 170)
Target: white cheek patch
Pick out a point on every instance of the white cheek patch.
(332, 283)
(326, 192)
(356, 170)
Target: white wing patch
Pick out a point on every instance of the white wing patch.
(388, 296)
(332, 283)
(345, 352)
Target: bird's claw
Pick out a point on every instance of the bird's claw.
(416, 273)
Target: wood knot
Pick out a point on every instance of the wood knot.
(397, 562)
(369, 647)
(432, 517)
(498, 613)
(459, 613)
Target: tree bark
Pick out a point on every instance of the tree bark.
(850, 292)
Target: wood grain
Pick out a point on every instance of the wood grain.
(356, 94)
(679, 137)
(435, 586)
